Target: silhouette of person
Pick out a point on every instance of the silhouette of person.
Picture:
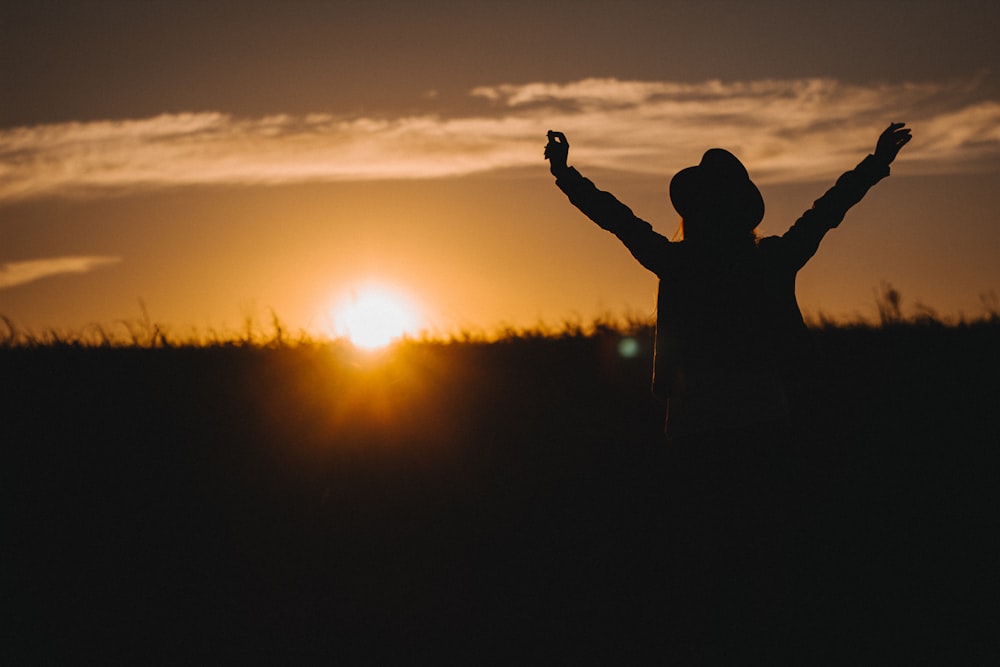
(726, 307)
(727, 319)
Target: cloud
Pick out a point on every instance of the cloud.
(20, 273)
(785, 130)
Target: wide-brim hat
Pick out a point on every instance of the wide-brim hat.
(719, 187)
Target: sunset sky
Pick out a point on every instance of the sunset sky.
(216, 161)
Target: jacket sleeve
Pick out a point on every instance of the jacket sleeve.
(651, 249)
(802, 240)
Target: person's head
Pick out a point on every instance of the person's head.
(716, 199)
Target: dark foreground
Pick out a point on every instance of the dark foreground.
(478, 504)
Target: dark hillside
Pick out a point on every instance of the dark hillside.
(488, 502)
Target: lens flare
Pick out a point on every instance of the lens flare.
(628, 347)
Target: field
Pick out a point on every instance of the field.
(476, 502)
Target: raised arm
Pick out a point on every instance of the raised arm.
(651, 249)
(803, 239)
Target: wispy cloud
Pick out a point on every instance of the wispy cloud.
(20, 273)
(786, 130)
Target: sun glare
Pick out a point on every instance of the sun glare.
(374, 316)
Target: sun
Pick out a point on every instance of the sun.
(373, 316)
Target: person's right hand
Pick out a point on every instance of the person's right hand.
(890, 141)
(557, 152)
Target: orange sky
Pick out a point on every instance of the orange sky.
(220, 163)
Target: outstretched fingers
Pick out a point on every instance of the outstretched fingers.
(899, 131)
(891, 140)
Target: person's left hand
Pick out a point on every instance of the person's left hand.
(890, 141)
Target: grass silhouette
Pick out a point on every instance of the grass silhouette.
(481, 499)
